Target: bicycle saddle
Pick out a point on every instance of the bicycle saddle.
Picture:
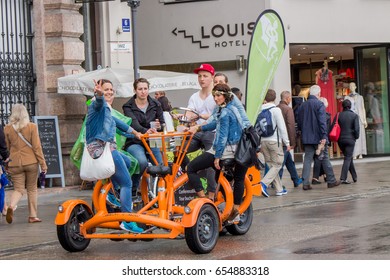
(227, 163)
(159, 170)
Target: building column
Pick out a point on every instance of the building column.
(58, 51)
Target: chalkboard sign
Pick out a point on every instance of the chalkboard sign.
(51, 147)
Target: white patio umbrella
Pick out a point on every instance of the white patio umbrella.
(122, 80)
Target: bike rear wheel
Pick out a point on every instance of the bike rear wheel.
(244, 224)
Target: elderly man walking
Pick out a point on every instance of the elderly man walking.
(289, 119)
(312, 124)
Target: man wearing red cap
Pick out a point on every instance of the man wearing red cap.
(203, 103)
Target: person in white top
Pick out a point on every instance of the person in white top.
(357, 106)
(203, 103)
(272, 146)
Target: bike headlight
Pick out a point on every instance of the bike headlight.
(187, 210)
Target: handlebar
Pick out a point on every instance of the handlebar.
(188, 116)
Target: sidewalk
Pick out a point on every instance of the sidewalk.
(373, 180)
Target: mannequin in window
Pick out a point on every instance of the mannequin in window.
(357, 106)
(324, 78)
(373, 111)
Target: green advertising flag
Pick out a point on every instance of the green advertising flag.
(266, 49)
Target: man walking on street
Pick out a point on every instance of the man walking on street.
(312, 124)
(289, 119)
(271, 145)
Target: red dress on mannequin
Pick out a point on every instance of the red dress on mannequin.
(325, 81)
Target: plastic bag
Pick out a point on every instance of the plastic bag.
(3, 182)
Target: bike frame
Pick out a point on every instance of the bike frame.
(168, 220)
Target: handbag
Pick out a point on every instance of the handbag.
(247, 148)
(100, 168)
(334, 134)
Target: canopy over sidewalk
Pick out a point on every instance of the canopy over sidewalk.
(122, 80)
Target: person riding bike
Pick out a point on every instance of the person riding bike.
(100, 128)
(227, 123)
(144, 111)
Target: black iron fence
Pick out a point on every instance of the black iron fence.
(17, 79)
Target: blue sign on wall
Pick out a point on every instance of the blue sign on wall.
(125, 24)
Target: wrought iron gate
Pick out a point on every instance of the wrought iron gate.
(17, 77)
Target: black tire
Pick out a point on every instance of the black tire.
(223, 232)
(69, 234)
(202, 237)
(245, 223)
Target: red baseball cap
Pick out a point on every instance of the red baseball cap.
(205, 67)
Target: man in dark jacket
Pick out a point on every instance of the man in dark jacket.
(289, 119)
(312, 124)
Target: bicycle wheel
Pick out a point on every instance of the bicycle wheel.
(69, 234)
(202, 237)
(244, 224)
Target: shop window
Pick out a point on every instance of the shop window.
(373, 85)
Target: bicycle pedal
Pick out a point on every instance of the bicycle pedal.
(149, 230)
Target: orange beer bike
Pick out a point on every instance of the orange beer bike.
(199, 222)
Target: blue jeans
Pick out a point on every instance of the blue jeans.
(139, 152)
(121, 179)
(325, 162)
(290, 165)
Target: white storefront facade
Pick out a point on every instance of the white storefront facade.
(179, 35)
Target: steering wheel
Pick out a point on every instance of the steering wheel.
(185, 116)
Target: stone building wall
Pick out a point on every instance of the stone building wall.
(58, 51)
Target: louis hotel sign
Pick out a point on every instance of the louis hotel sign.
(219, 35)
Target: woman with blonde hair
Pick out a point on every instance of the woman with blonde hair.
(26, 156)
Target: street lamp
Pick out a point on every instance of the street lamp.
(133, 4)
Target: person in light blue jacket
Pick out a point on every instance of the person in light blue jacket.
(101, 127)
(228, 126)
(221, 78)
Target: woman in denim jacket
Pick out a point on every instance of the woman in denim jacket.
(228, 125)
(101, 127)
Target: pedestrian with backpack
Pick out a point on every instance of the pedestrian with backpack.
(272, 130)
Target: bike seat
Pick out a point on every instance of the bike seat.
(159, 170)
(227, 163)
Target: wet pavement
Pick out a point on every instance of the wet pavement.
(359, 200)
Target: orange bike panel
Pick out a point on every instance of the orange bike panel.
(189, 220)
(254, 177)
(68, 206)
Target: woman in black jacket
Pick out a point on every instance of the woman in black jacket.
(349, 132)
(143, 110)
